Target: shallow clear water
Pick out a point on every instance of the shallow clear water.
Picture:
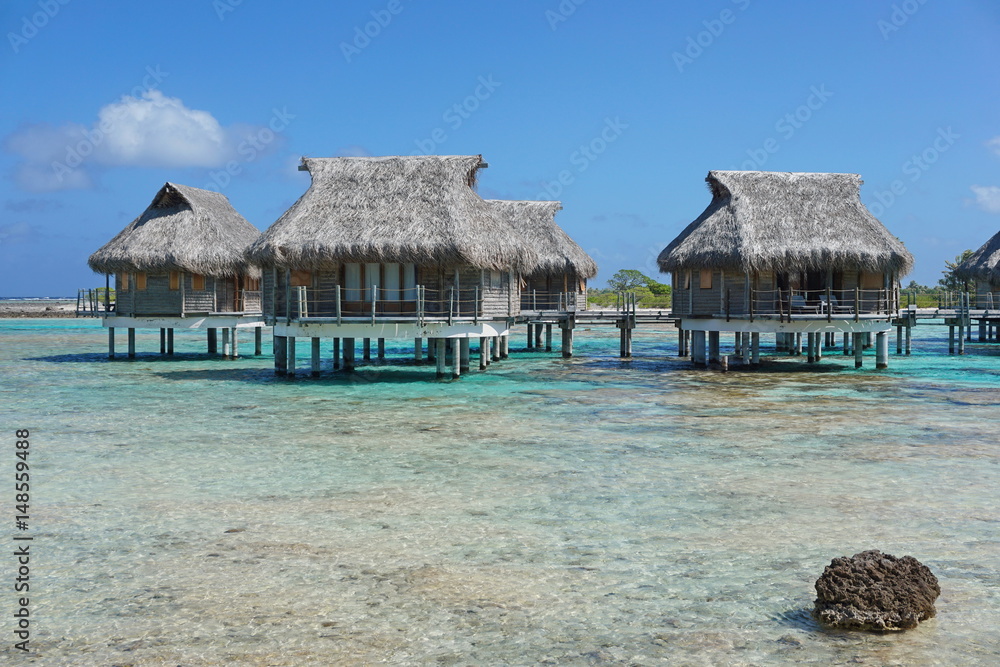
(592, 511)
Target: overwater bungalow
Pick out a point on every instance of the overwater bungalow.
(559, 282)
(182, 265)
(397, 247)
(789, 254)
(983, 267)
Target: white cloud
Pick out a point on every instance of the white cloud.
(994, 145)
(152, 130)
(987, 197)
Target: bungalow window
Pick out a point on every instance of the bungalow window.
(140, 281)
(352, 282)
(175, 280)
(372, 281)
(197, 281)
(409, 272)
(390, 282)
(706, 279)
(123, 281)
(871, 280)
(301, 279)
(251, 284)
(496, 279)
(686, 280)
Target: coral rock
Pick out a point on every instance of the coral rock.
(876, 592)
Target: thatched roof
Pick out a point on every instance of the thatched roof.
(419, 209)
(534, 221)
(759, 220)
(183, 229)
(984, 264)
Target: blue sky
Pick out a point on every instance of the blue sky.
(618, 109)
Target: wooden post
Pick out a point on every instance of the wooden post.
(381, 349)
(567, 338)
(819, 346)
(235, 351)
(336, 354)
(713, 347)
(258, 341)
(431, 349)
(456, 358)
(463, 355)
(225, 342)
(163, 340)
(111, 342)
(798, 345)
(859, 349)
(131, 343)
(909, 338)
(484, 353)
(811, 348)
(531, 337)
(755, 348)
(495, 348)
(951, 339)
(505, 346)
(698, 350)
(418, 350)
(961, 334)
(348, 354)
(882, 350)
(439, 356)
(847, 343)
(280, 355)
(170, 341)
(982, 331)
(367, 349)
(213, 341)
(538, 336)
(548, 337)
(291, 355)
(899, 339)
(315, 357)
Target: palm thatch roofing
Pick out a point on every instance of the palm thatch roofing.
(779, 221)
(183, 229)
(534, 221)
(984, 264)
(419, 209)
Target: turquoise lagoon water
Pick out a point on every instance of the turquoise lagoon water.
(198, 511)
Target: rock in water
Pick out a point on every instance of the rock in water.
(876, 592)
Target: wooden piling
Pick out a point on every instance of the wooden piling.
(464, 354)
(314, 366)
(111, 342)
(456, 358)
(531, 337)
(290, 363)
(899, 339)
(859, 349)
(131, 343)
(495, 348)
(505, 346)
(484, 353)
(548, 337)
(213, 341)
(951, 339)
(258, 341)
(336, 354)
(381, 349)
(170, 341)
(235, 349)
(882, 350)
(225, 341)
(418, 349)
(847, 344)
(367, 349)
(755, 348)
(811, 348)
(349, 354)
(698, 354)
(713, 347)
(439, 356)
(909, 338)
(280, 355)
